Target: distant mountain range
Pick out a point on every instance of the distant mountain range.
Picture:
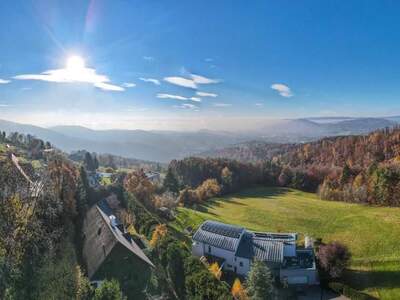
(163, 146)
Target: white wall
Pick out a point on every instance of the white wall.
(197, 249)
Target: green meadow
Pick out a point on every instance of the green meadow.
(371, 233)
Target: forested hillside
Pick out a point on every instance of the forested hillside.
(364, 168)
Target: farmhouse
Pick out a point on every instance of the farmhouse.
(110, 252)
(235, 248)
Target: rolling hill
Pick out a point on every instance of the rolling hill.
(163, 146)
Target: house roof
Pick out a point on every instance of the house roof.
(253, 247)
(263, 246)
(101, 236)
(219, 235)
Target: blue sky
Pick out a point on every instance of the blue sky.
(196, 64)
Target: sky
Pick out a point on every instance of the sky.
(188, 65)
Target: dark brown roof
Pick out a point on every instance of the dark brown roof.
(101, 237)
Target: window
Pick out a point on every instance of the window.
(99, 231)
(209, 249)
(241, 264)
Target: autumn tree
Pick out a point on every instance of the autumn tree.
(159, 232)
(215, 270)
(208, 189)
(333, 258)
(227, 179)
(238, 291)
(139, 185)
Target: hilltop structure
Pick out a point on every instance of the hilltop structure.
(236, 248)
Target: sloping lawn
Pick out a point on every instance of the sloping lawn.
(371, 233)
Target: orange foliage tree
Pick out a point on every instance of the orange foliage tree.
(238, 291)
(159, 232)
(215, 270)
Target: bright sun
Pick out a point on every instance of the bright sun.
(75, 64)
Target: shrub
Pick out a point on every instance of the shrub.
(333, 258)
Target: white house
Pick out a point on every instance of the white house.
(237, 248)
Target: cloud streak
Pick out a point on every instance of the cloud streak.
(204, 94)
(282, 89)
(151, 80)
(191, 82)
(129, 84)
(187, 106)
(4, 81)
(83, 75)
(177, 97)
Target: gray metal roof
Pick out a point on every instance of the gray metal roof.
(219, 235)
(247, 244)
(253, 247)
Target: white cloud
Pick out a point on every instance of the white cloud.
(259, 104)
(129, 84)
(222, 104)
(187, 106)
(282, 89)
(67, 75)
(3, 81)
(4, 105)
(152, 80)
(190, 83)
(169, 96)
(181, 81)
(148, 58)
(177, 97)
(203, 80)
(204, 94)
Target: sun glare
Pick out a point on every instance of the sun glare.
(75, 64)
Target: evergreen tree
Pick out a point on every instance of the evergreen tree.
(171, 182)
(259, 282)
(88, 162)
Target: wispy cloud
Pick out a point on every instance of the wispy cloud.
(222, 104)
(204, 94)
(181, 81)
(203, 80)
(152, 80)
(148, 58)
(83, 75)
(259, 104)
(177, 97)
(129, 84)
(191, 82)
(4, 81)
(187, 106)
(282, 89)
(208, 59)
(4, 105)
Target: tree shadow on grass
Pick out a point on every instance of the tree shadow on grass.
(256, 192)
(369, 279)
(261, 192)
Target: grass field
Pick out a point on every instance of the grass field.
(371, 233)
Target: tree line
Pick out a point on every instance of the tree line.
(364, 169)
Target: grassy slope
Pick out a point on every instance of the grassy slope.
(371, 233)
